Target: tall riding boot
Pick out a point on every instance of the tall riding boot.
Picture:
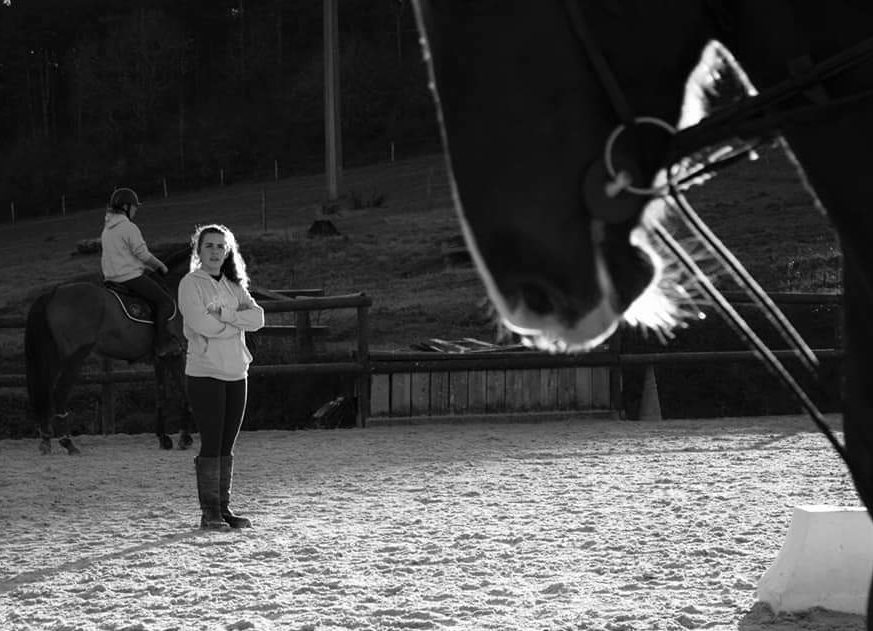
(208, 482)
(235, 521)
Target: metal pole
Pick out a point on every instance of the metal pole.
(332, 124)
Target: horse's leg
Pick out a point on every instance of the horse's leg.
(47, 426)
(187, 418)
(67, 376)
(42, 361)
(45, 435)
(185, 439)
(164, 440)
(66, 441)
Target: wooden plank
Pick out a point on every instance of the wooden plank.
(600, 388)
(583, 388)
(420, 394)
(439, 393)
(458, 391)
(565, 388)
(380, 395)
(297, 293)
(400, 394)
(476, 391)
(289, 330)
(548, 389)
(531, 395)
(495, 390)
(514, 391)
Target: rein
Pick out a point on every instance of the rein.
(748, 120)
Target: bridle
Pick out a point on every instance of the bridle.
(754, 120)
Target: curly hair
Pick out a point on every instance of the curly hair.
(233, 267)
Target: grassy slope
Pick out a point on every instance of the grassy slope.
(393, 253)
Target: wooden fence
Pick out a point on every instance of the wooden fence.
(301, 302)
(405, 385)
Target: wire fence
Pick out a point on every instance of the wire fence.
(174, 183)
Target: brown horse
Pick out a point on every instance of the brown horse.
(74, 320)
(568, 123)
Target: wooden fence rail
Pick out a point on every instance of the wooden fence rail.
(368, 365)
(278, 302)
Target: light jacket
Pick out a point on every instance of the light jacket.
(217, 343)
(125, 254)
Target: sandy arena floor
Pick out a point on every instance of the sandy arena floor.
(575, 525)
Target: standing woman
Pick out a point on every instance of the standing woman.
(217, 309)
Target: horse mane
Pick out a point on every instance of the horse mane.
(174, 255)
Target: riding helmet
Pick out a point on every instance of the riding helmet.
(123, 198)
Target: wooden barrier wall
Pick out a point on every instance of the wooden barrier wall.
(492, 391)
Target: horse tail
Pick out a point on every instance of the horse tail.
(42, 358)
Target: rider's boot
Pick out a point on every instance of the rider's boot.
(235, 521)
(166, 344)
(208, 477)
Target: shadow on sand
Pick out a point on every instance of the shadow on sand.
(762, 618)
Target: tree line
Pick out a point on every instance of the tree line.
(96, 94)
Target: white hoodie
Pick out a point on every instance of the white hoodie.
(216, 343)
(124, 252)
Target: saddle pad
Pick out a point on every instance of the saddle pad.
(134, 307)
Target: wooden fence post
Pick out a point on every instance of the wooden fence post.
(364, 360)
(263, 210)
(304, 339)
(616, 397)
(166, 194)
(12, 210)
(108, 399)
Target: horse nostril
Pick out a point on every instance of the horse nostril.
(536, 298)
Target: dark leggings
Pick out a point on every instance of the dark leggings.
(155, 294)
(218, 407)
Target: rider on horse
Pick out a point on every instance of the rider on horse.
(126, 257)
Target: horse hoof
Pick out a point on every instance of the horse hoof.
(165, 441)
(67, 444)
(45, 447)
(185, 441)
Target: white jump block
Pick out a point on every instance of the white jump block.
(826, 561)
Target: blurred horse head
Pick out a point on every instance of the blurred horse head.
(560, 118)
